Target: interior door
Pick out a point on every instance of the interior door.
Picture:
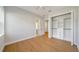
(54, 27)
(60, 31)
(68, 27)
(58, 27)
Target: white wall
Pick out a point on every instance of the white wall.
(2, 44)
(1, 20)
(20, 24)
(65, 10)
(78, 28)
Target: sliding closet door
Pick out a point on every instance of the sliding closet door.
(54, 27)
(68, 28)
(62, 27)
(60, 30)
(57, 27)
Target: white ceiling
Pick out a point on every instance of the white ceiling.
(42, 10)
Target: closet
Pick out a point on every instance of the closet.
(62, 27)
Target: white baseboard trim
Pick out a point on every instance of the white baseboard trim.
(19, 40)
(78, 48)
(72, 44)
(2, 48)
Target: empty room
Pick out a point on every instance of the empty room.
(39, 28)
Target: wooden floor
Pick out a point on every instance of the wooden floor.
(41, 44)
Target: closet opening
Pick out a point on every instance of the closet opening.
(62, 27)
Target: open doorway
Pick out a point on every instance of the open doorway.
(37, 24)
(46, 28)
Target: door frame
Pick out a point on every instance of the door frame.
(72, 17)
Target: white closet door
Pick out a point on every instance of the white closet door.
(60, 27)
(68, 28)
(63, 27)
(54, 27)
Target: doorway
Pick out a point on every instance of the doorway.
(46, 28)
(37, 26)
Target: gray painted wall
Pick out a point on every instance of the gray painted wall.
(20, 25)
(2, 44)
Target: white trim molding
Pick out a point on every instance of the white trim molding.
(8, 43)
(78, 48)
(2, 43)
(22, 39)
(2, 48)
